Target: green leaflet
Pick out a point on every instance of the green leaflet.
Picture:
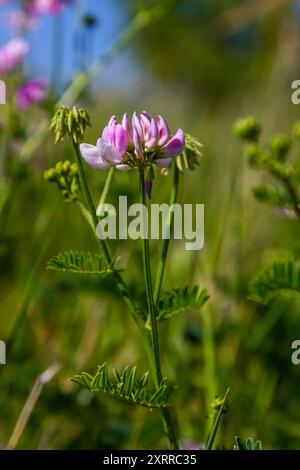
(280, 277)
(180, 300)
(250, 444)
(273, 196)
(125, 386)
(80, 263)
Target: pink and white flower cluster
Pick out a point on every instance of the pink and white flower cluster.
(146, 141)
(27, 18)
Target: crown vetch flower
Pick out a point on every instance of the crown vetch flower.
(12, 53)
(146, 142)
(110, 149)
(34, 91)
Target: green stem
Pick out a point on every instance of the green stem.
(217, 419)
(84, 186)
(162, 261)
(148, 282)
(209, 359)
(123, 289)
(106, 186)
(166, 413)
(290, 189)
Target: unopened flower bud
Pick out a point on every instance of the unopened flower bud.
(84, 116)
(74, 169)
(74, 187)
(62, 182)
(66, 176)
(58, 124)
(59, 168)
(248, 128)
(280, 145)
(50, 175)
(255, 154)
(66, 167)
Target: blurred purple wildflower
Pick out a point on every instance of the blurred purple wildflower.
(147, 141)
(32, 92)
(12, 54)
(20, 21)
(48, 6)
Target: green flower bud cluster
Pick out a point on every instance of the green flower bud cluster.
(189, 159)
(280, 145)
(272, 159)
(66, 176)
(72, 122)
(255, 155)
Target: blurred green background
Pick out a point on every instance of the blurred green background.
(202, 65)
